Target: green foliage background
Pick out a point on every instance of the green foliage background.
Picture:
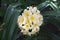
(11, 9)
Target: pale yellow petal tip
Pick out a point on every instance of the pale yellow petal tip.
(30, 21)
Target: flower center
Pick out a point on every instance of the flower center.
(27, 26)
(26, 14)
(32, 18)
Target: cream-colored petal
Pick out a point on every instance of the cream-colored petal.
(32, 19)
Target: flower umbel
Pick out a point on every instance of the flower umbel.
(30, 21)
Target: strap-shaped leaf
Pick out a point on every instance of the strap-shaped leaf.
(6, 19)
(10, 11)
(52, 17)
(11, 25)
(45, 4)
(52, 13)
(44, 35)
(51, 35)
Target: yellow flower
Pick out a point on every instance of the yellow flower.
(26, 13)
(27, 26)
(20, 19)
(32, 18)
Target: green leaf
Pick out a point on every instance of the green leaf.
(9, 12)
(51, 35)
(11, 25)
(52, 17)
(47, 3)
(10, 21)
(44, 35)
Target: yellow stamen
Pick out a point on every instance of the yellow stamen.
(27, 26)
(32, 18)
(26, 14)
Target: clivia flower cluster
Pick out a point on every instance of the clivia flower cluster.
(30, 21)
